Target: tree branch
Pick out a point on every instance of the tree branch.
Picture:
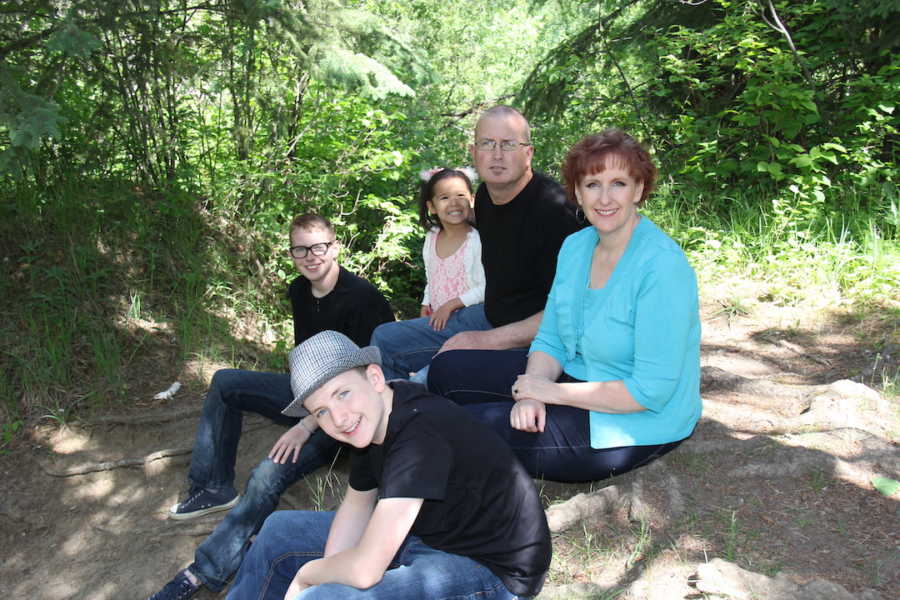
(604, 42)
(779, 26)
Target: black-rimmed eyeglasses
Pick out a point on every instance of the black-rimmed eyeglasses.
(505, 145)
(317, 249)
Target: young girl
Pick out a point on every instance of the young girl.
(452, 250)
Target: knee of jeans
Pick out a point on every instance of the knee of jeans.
(221, 379)
(378, 334)
(277, 519)
(266, 480)
(438, 371)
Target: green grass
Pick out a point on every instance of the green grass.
(642, 545)
(104, 282)
(890, 382)
(8, 432)
(732, 543)
(847, 257)
(818, 480)
(589, 544)
(733, 307)
(326, 489)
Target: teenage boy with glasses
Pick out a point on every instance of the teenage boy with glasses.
(325, 297)
(522, 218)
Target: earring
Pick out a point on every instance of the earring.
(579, 217)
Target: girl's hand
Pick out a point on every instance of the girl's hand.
(534, 386)
(528, 415)
(290, 442)
(426, 311)
(440, 316)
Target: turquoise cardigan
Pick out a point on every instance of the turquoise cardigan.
(642, 327)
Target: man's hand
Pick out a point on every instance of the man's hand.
(289, 443)
(296, 586)
(468, 340)
(528, 415)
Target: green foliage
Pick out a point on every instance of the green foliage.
(356, 70)
(72, 40)
(886, 485)
(195, 82)
(727, 103)
(8, 433)
(25, 118)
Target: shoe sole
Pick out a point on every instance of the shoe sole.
(199, 513)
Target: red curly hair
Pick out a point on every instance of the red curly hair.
(590, 156)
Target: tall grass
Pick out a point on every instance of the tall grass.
(847, 257)
(100, 283)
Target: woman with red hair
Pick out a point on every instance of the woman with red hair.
(612, 379)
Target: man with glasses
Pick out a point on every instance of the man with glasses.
(326, 296)
(522, 218)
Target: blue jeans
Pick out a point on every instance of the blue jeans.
(231, 393)
(289, 539)
(407, 346)
(481, 381)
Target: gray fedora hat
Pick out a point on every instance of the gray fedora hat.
(319, 359)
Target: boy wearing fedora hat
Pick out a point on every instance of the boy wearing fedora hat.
(437, 505)
(325, 297)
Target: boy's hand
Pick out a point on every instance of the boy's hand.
(296, 587)
(290, 442)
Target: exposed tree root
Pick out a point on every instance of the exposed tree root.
(565, 514)
(165, 417)
(179, 529)
(109, 465)
(726, 581)
(117, 464)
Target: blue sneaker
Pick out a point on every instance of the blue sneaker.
(202, 502)
(180, 588)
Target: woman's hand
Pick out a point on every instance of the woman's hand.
(535, 386)
(290, 442)
(528, 414)
(440, 316)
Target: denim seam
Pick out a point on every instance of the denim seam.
(270, 573)
(219, 441)
(400, 355)
(478, 594)
(526, 448)
(448, 393)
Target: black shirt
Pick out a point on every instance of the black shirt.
(354, 307)
(479, 501)
(519, 244)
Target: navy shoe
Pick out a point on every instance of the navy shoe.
(180, 588)
(202, 502)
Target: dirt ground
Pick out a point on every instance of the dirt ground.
(777, 478)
